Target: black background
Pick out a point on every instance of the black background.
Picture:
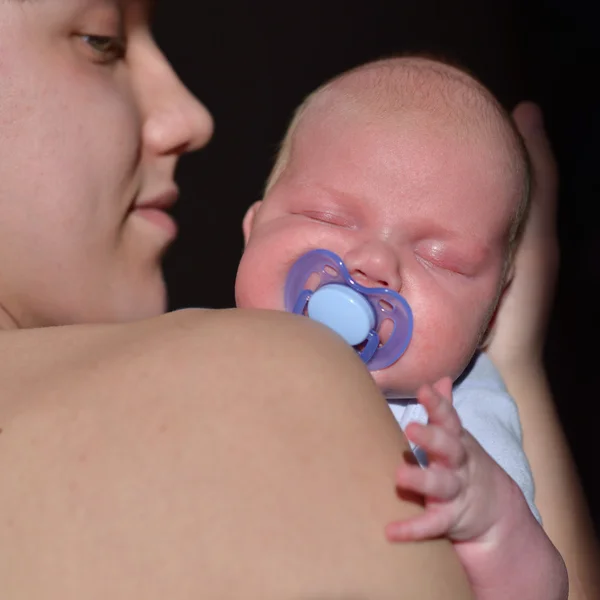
(253, 61)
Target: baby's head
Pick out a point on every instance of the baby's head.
(412, 173)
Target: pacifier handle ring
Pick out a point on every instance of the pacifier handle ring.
(303, 299)
(366, 354)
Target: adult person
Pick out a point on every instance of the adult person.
(134, 463)
(133, 456)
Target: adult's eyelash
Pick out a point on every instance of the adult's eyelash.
(109, 48)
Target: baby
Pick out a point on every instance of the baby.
(413, 174)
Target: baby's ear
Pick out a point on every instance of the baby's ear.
(248, 222)
(486, 336)
(508, 277)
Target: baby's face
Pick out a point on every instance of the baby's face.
(407, 205)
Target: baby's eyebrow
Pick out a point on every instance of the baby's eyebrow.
(340, 197)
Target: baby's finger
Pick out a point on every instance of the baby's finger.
(436, 483)
(443, 387)
(439, 409)
(439, 445)
(431, 524)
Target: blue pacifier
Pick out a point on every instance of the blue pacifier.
(354, 311)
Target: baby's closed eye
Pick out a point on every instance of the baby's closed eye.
(329, 217)
(446, 257)
(441, 264)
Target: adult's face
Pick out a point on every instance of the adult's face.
(92, 123)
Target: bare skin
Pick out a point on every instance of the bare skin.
(181, 456)
(106, 491)
(126, 479)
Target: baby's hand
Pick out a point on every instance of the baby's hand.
(463, 486)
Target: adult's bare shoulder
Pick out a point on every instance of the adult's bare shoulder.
(202, 454)
(43, 362)
(137, 365)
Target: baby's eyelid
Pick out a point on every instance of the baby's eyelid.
(329, 217)
(436, 264)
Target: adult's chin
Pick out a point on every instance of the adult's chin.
(151, 302)
(137, 298)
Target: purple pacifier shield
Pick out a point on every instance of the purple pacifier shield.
(388, 306)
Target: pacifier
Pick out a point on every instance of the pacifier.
(354, 311)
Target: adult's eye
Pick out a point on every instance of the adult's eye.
(107, 48)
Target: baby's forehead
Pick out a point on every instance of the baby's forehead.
(389, 92)
(429, 95)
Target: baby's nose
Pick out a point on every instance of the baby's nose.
(374, 264)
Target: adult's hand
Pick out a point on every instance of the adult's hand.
(519, 331)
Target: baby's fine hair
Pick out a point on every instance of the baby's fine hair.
(431, 84)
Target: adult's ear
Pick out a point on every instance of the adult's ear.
(248, 222)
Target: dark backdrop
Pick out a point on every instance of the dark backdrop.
(253, 61)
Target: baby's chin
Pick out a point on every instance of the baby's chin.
(402, 379)
(393, 385)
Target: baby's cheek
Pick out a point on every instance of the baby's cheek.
(256, 287)
(250, 294)
(443, 344)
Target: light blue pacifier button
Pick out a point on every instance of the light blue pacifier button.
(344, 310)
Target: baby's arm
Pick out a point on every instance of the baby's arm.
(470, 499)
